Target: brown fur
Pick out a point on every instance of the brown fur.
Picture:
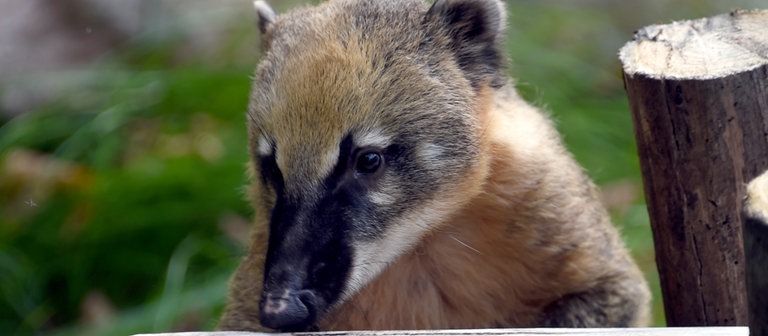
(520, 239)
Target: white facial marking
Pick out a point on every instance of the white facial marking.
(370, 258)
(372, 138)
(387, 193)
(381, 198)
(264, 148)
(430, 152)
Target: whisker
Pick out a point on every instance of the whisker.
(465, 244)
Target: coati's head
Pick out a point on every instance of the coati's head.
(365, 129)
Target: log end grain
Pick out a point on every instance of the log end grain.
(706, 48)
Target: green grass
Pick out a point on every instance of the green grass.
(152, 163)
(128, 188)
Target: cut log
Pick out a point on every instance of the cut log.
(698, 91)
(756, 251)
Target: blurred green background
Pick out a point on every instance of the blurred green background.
(123, 147)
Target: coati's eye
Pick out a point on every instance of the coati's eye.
(368, 162)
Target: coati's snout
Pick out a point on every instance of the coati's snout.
(290, 310)
(306, 267)
(297, 292)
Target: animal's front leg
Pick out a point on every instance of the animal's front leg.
(616, 302)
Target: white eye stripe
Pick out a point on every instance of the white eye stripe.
(371, 257)
(430, 152)
(264, 148)
(372, 138)
(381, 198)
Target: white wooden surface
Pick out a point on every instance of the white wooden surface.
(693, 331)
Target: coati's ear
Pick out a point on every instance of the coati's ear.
(266, 18)
(266, 13)
(476, 29)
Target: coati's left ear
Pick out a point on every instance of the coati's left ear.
(266, 17)
(266, 13)
(476, 29)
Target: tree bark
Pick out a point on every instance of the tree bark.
(756, 250)
(698, 91)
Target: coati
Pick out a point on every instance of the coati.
(400, 182)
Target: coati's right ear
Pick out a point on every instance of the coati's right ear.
(266, 13)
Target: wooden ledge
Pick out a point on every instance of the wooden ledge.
(700, 331)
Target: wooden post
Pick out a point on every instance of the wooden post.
(756, 250)
(698, 91)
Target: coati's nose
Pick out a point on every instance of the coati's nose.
(288, 310)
